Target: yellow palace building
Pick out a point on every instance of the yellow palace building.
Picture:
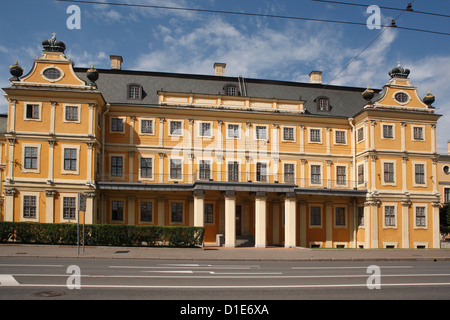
(268, 162)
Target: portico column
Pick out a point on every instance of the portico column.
(230, 219)
(289, 225)
(260, 220)
(199, 204)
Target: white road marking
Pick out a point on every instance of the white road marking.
(7, 280)
(31, 265)
(333, 268)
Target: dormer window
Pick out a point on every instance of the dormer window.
(134, 92)
(323, 104)
(231, 90)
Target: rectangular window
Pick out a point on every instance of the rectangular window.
(388, 172)
(146, 212)
(117, 211)
(261, 171)
(70, 159)
(323, 104)
(233, 171)
(388, 131)
(361, 174)
(289, 174)
(117, 124)
(205, 129)
(146, 167)
(261, 132)
(418, 133)
(447, 195)
(209, 213)
(175, 128)
(360, 216)
(314, 135)
(205, 169)
(340, 137)
(29, 207)
(389, 216)
(315, 174)
(30, 160)
(315, 216)
(288, 134)
(116, 166)
(146, 126)
(71, 113)
(340, 216)
(32, 111)
(420, 173)
(341, 175)
(175, 168)
(420, 217)
(176, 212)
(233, 131)
(69, 207)
(360, 133)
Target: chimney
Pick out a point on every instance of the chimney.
(315, 77)
(219, 69)
(116, 62)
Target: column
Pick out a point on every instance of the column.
(199, 204)
(130, 166)
(404, 173)
(367, 224)
(90, 171)
(51, 149)
(90, 207)
(9, 204)
(161, 132)
(52, 117)
(91, 120)
(161, 167)
(435, 220)
(230, 219)
(403, 136)
(303, 215)
(260, 219)
(374, 224)
(328, 224)
(289, 220)
(161, 211)
(50, 206)
(328, 141)
(329, 162)
(12, 116)
(131, 210)
(11, 142)
(406, 204)
(302, 139)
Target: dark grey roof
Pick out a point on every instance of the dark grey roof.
(344, 101)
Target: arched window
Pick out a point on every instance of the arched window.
(134, 91)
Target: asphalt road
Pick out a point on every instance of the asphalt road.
(221, 281)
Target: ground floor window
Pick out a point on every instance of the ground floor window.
(69, 208)
(117, 211)
(146, 212)
(29, 207)
(176, 212)
(209, 213)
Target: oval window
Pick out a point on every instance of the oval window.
(52, 73)
(401, 97)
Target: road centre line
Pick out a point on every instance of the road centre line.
(175, 267)
(32, 265)
(327, 268)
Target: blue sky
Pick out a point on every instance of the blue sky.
(254, 47)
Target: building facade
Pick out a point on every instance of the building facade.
(282, 163)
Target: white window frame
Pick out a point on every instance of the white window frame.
(363, 134)
(239, 167)
(22, 196)
(38, 161)
(267, 163)
(310, 164)
(211, 162)
(183, 217)
(68, 195)
(78, 106)
(284, 172)
(293, 133)
(140, 126)
(394, 165)
(170, 168)
(117, 177)
(25, 106)
(335, 132)
(420, 205)
(315, 226)
(146, 156)
(413, 138)
(239, 131)
(256, 126)
(199, 129)
(174, 134)
(389, 204)
(320, 135)
(77, 170)
(345, 165)
(382, 130)
(124, 120)
(419, 185)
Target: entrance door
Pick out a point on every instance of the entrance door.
(238, 220)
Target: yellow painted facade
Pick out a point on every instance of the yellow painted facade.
(237, 164)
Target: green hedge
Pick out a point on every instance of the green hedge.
(101, 234)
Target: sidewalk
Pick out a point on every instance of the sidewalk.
(221, 253)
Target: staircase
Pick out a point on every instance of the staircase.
(245, 241)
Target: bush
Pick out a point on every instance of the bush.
(101, 235)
